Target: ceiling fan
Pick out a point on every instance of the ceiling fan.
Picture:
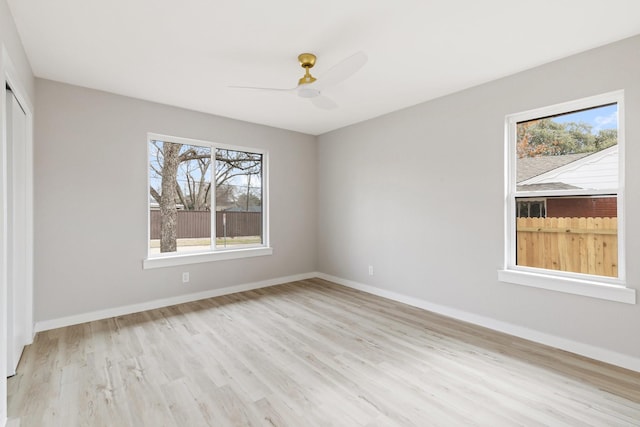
(313, 88)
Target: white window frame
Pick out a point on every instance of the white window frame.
(608, 288)
(213, 254)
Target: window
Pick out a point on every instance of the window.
(564, 198)
(207, 201)
(531, 207)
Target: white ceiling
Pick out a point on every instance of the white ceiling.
(187, 53)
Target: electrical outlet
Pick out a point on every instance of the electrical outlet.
(185, 277)
(371, 270)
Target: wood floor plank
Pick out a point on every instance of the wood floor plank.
(308, 353)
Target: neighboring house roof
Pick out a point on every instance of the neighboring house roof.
(546, 186)
(528, 167)
(594, 171)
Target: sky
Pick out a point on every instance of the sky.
(599, 118)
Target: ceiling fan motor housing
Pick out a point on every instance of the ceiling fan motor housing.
(307, 61)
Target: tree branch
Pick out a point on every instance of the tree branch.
(154, 194)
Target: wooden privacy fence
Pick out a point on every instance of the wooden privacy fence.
(579, 245)
(197, 224)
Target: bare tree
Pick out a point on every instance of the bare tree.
(168, 209)
(198, 188)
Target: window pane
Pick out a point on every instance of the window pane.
(576, 150)
(570, 152)
(535, 209)
(238, 199)
(578, 234)
(180, 197)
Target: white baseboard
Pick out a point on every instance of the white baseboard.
(164, 302)
(593, 352)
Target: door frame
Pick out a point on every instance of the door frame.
(9, 77)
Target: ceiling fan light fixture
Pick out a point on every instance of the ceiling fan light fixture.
(308, 92)
(306, 79)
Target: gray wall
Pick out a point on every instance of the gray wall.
(91, 201)
(418, 194)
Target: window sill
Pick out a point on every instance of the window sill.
(589, 288)
(195, 258)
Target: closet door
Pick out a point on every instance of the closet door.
(16, 232)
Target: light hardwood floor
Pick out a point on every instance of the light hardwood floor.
(308, 353)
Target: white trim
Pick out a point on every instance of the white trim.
(76, 319)
(192, 141)
(587, 350)
(196, 258)
(569, 106)
(621, 202)
(266, 234)
(3, 245)
(569, 285)
(573, 192)
(564, 281)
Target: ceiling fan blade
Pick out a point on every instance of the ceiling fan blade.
(268, 89)
(323, 102)
(341, 71)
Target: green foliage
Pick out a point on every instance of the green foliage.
(544, 137)
(606, 138)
